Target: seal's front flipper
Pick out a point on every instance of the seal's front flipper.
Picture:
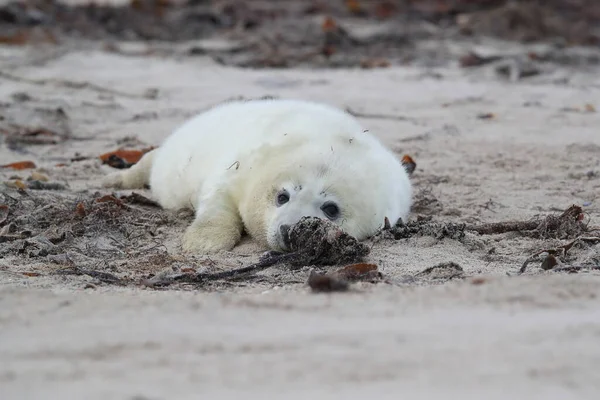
(217, 226)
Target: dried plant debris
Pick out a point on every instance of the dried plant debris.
(92, 232)
(103, 277)
(313, 241)
(422, 226)
(359, 272)
(25, 125)
(101, 236)
(326, 283)
(19, 165)
(321, 242)
(34, 185)
(573, 21)
(580, 254)
(549, 263)
(569, 224)
(340, 279)
(472, 59)
(486, 115)
(285, 33)
(409, 164)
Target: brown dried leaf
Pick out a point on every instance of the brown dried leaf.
(329, 25)
(123, 158)
(478, 281)
(326, 283)
(155, 7)
(473, 59)
(385, 10)
(19, 165)
(358, 272)
(39, 132)
(374, 63)
(25, 36)
(80, 210)
(354, 7)
(486, 116)
(16, 39)
(109, 198)
(130, 156)
(409, 164)
(328, 51)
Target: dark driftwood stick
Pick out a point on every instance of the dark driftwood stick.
(550, 223)
(263, 264)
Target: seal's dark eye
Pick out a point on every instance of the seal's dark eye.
(282, 198)
(331, 210)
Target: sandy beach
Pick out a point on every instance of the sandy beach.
(488, 149)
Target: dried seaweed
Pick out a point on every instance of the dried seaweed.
(556, 258)
(80, 230)
(313, 241)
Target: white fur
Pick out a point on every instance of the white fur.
(229, 163)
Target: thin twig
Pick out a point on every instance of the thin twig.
(503, 227)
(104, 277)
(264, 263)
(380, 116)
(576, 268)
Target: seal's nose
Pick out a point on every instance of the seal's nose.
(285, 235)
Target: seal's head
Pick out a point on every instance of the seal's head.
(295, 198)
(355, 186)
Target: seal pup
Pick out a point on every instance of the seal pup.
(259, 166)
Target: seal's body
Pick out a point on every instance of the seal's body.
(262, 165)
